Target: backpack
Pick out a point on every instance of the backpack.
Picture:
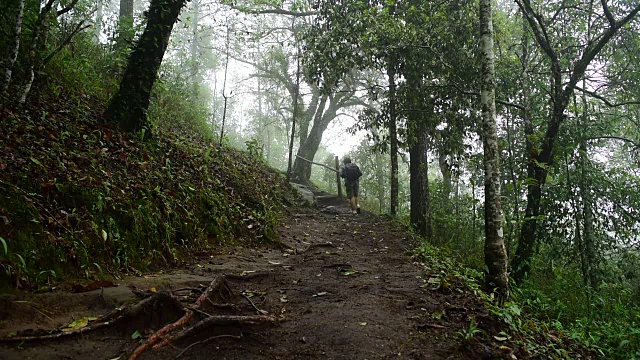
(352, 171)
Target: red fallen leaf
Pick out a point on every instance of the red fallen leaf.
(92, 286)
(48, 185)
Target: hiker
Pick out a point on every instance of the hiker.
(351, 173)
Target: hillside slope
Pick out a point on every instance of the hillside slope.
(81, 198)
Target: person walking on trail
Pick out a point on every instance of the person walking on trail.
(351, 174)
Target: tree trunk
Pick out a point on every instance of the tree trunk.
(419, 182)
(494, 249)
(125, 24)
(13, 49)
(393, 135)
(380, 165)
(193, 69)
(97, 25)
(34, 58)
(420, 213)
(129, 105)
(587, 210)
(225, 96)
(515, 217)
(314, 112)
(302, 169)
(445, 170)
(295, 113)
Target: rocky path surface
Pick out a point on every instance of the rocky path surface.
(341, 286)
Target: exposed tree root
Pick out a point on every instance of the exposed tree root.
(248, 277)
(220, 320)
(204, 341)
(217, 291)
(194, 318)
(105, 321)
(320, 245)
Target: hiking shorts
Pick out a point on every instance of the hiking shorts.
(352, 187)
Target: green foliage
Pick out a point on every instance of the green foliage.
(469, 334)
(605, 319)
(84, 199)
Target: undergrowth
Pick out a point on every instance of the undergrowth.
(538, 338)
(81, 198)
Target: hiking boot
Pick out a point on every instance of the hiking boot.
(358, 210)
(354, 212)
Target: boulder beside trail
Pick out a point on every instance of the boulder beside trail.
(306, 194)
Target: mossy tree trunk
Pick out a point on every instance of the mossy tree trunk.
(128, 107)
(495, 254)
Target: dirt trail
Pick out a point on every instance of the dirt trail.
(342, 287)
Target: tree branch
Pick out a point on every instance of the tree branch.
(635, 144)
(67, 8)
(277, 11)
(539, 29)
(594, 48)
(607, 13)
(66, 41)
(604, 100)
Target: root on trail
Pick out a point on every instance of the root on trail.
(108, 320)
(193, 318)
(217, 293)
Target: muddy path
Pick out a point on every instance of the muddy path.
(342, 286)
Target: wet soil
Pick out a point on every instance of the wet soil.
(342, 286)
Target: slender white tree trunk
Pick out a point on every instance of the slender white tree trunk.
(494, 250)
(13, 52)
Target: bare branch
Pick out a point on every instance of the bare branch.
(594, 48)
(66, 41)
(604, 100)
(607, 13)
(536, 22)
(67, 8)
(277, 11)
(633, 143)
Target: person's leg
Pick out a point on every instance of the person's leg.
(348, 187)
(356, 190)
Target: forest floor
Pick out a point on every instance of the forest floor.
(339, 286)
